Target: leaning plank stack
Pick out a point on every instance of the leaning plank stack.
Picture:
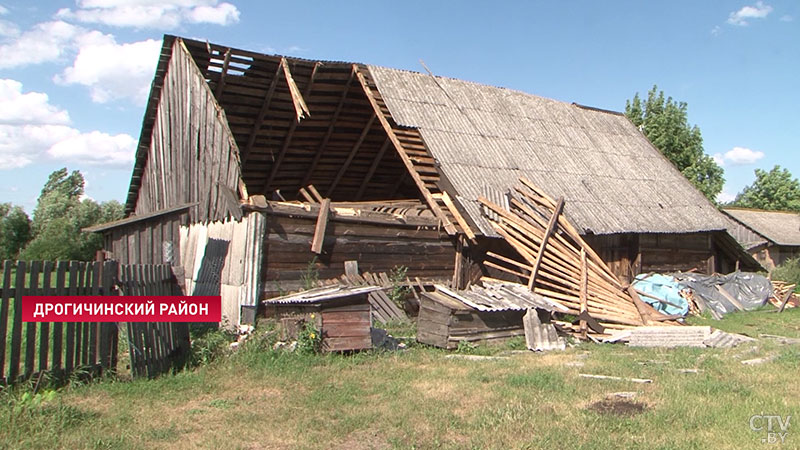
(558, 264)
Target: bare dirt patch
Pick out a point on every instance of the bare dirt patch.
(618, 407)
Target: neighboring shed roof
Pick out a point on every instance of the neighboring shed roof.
(780, 227)
(142, 217)
(321, 294)
(485, 138)
(500, 297)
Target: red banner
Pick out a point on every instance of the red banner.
(122, 309)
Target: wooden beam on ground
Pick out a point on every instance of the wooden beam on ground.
(785, 299)
(263, 111)
(322, 225)
(551, 226)
(372, 168)
(221, 83)
(640, 305)
(448, 226)
(289, 135)
(334, 118)
(584, 295)
(457, 215)
(351, 156)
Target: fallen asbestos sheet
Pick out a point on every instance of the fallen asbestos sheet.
(672, 337)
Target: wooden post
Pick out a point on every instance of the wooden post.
(322, 224)
(583, 292)
(548, 232)
(351, 268)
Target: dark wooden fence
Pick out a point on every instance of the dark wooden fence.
(63, 349)
(155, 348)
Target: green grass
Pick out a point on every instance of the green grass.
(260, 398)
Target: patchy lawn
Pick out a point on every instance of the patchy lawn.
(420, 399)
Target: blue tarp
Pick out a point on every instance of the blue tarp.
(664, 287)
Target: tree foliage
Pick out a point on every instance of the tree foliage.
(773, 190)
(665, 123)
(15, 230)
(61, 214)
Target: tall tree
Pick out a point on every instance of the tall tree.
(15, 230)
(773, 190)
(665, 123)
(61, 214)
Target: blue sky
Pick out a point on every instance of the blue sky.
(74, 75)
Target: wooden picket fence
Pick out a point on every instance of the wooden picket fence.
(83, 348)
(158, 347)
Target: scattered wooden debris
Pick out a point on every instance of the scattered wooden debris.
(476, 357)
(558, 264)
(609, 377)
(783, 340)
(618, 407)
(783, 295)
(755, 361)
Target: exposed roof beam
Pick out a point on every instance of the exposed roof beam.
(299, 103)
(289, 135)
(448, 226)
(375, 163)
(263, 112)
(352, 155)
(328, 134)
(221, 83)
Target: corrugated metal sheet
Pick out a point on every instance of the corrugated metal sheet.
(486, 137)
(782, 228)
(501, 297)
(322, 294)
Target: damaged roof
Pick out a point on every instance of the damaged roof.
(321, 294)
(780, 227)
(485, 138)
(498, 296)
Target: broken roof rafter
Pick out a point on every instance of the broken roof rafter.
(290, 134)
(352, 155)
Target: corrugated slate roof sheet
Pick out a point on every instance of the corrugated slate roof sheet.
(486, 137)
(494, 296)
(320, 294)
(780, 227)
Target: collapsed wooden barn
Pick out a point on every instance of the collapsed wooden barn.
(772, 237)
(255, 171)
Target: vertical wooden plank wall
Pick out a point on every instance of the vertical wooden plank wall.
(240, 278)
(192, 154)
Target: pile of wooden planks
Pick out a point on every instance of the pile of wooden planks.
(783, 295)
(558, 264)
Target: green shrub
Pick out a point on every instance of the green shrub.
(789, 271)
(209, 343)
(309, 339)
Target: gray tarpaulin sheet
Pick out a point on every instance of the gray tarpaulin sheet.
(748, 290)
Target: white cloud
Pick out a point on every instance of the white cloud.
(47, 41)
(716, 30)
(725, 197)
(32, 130)
(8, 29)
(757, 11)
(738, 156)
(164, 14)
(113, 71)
(96, 148)
(786, 18)
(34, 108)
(3, 10)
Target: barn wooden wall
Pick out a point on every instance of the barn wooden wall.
(673, 252)
(192, 156)
(154, 241)
(428, 253)
(223, 258)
